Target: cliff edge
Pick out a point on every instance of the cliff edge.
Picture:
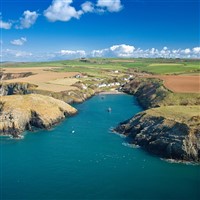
(151, 93)
(28, 112)
(171, 132)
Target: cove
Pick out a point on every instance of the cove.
(81, 159)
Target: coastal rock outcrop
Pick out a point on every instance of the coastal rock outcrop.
(16, 88)
(29, 112)
(171, 132)
(151, 93)
(69, 96)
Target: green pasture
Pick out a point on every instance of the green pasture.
(102, 65)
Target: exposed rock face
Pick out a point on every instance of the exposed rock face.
(160, 132)
(151, 93)
(16, 88)
(27, 112)
(71, 96)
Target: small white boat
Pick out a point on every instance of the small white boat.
(109, 109)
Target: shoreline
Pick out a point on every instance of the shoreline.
(110, 92)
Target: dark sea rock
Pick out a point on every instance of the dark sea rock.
(163, 136)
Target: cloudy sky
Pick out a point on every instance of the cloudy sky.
(39, 30)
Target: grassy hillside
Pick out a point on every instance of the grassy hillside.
(26, 112)
(184, 114)
(152, 93)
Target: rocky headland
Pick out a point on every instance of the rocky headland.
(170, 127)
(170, 132)
(28, 112)
(151, 93)
(25, 107)
(69, 96)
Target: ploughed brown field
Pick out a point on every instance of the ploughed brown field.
(45, 78)
(180, 84)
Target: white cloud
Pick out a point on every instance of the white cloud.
(72, 54)
(196, 50)
(100, 53)
(122, 50)
(29, 18)
(5, 25)
(153, 51)
(110, 5)
(176, 51)
(165, 48)
(165, 52)
(15, 55)
(19, 42)
(88, 7)
(61, 10)
(186, 51)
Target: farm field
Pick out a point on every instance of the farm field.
(180, 84)
(179, 75)
(45, 79)
(155, 66)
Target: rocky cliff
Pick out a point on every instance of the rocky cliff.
(27, 112)
(151, 93)
(16, 88)
(70, 96)
(171, 132)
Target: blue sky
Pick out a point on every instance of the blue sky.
(62, 29)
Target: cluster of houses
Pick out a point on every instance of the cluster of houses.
(101, 83)
(113, 84)
(108, 84)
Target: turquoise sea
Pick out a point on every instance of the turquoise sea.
(81, 159)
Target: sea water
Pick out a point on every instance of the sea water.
(82, 159)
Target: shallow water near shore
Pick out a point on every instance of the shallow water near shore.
(81, 159)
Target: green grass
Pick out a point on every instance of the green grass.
(183, 114)
(96, 66)
(182, 99)
(165, 66)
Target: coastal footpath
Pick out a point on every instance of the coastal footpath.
(170, 125)
(29, 112)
